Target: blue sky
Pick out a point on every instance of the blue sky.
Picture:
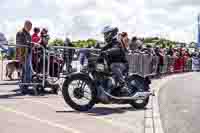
(80, 19)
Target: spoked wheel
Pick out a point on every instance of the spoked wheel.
(79, 93)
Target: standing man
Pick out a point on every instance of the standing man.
(68, 54)
(23, 37)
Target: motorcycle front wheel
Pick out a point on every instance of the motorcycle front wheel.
(79, 93)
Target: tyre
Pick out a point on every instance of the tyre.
(140, 104)
(138, 84)
(82, 88)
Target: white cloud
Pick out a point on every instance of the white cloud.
(175, 19)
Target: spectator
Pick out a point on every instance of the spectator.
(35, 36)
(133, 44)
(160, 60)
(35, 39)
(23, 37)
(68, 54)
(44, 40)
(195, 62)
(84, 54)
(187, 53)
(124, 40)
(35, 54)
(170, 51)
(44, 37)
(139, 44)
(148, 50)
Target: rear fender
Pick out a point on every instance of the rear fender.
(145, 81)
(148, 80)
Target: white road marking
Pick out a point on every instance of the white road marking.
(50, 123)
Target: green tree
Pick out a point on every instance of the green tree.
(57, 42)
(84, 43)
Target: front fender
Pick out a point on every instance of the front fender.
(81, 74)
(74, 75)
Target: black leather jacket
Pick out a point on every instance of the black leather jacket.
(116, 54)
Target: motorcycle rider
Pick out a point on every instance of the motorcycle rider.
(116, 54)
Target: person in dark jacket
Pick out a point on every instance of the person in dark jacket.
(44, 40)
(44, 37)
(116, 55)
(23, 37)
(170, 51)
(68, 54)
(160, 60)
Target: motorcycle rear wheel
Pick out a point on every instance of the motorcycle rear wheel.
(138, 83)
(140, 105)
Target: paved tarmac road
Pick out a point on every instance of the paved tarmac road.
(50, 114)
(179, 103)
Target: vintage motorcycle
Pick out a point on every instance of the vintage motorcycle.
(95, 84)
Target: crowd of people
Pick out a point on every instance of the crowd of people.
(37, 43)
(40, 37)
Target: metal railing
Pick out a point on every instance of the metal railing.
(26, 48)
(139, 62)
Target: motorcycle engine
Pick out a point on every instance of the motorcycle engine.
(106, 85)
(111, 83)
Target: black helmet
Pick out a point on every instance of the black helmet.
(110, 33)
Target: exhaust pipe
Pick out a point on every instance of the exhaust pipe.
(137, 96)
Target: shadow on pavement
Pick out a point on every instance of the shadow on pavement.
(9, 82)
(13, 83)
(101, 111)
(16, 94)
(16, 90)
(12, 96)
